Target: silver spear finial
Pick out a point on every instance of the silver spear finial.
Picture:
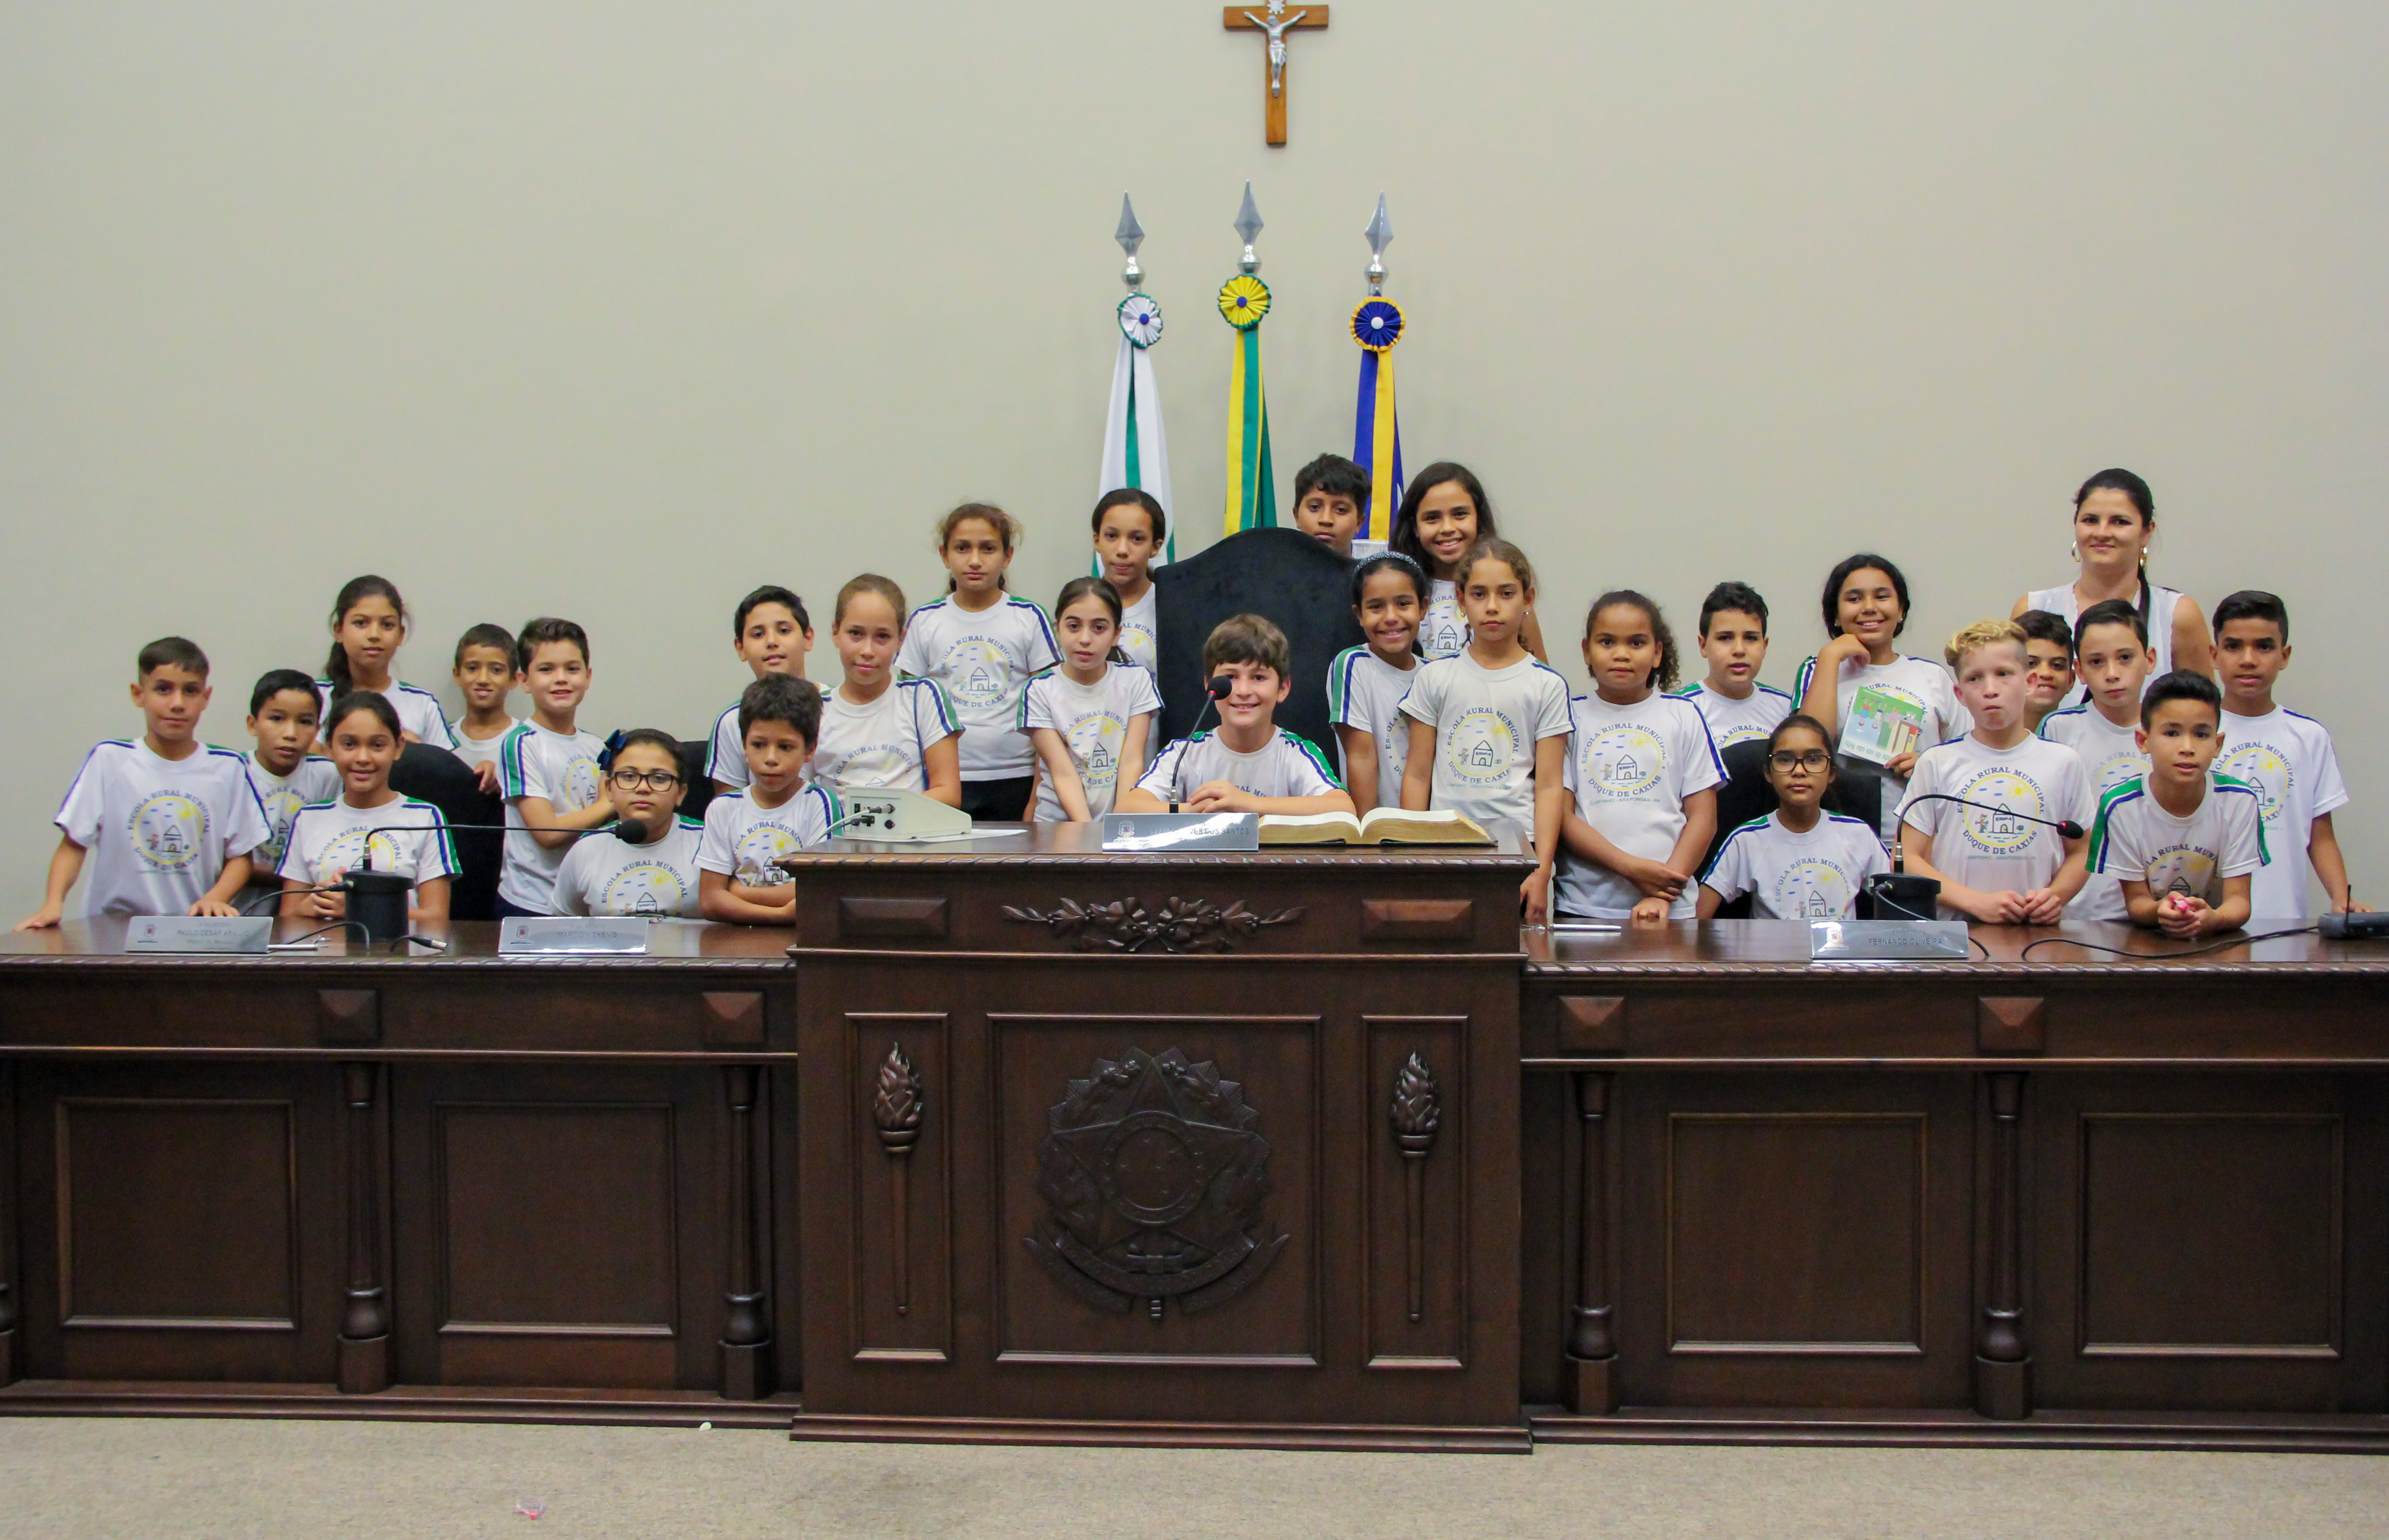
(1248, 225)
(1381, 235)
(1130, 234)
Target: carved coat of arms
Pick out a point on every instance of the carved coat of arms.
(1152, 1174)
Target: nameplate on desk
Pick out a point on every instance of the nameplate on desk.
(1182, 831)
(1888, 941)
(197, 933)
(570, 935)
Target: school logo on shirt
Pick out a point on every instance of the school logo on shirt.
(1622, 762)
(2261, 766)
(280, 809)
(583, 781)
(2116, 769)
(1096, 741)
(1136, 639)
(881, 764)
(976, 671)
(1482, 745)
(759, 850)
(1739, 732)
(648, 888)
(2006, 825)
(1444, 630)
(347, 853)
(169, 831)
(2183, 868)
(1396, 738)
(1812, 889)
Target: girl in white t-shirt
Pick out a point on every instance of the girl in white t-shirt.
(2114, 523)
(878, 730)
(370, 825)
(1865, 609)
(1132, 533)
(1643, 773)
(368, 627)
(655, 875)
(1799, 862)
(1444, 514)
(1488, 725)
(980, 644)
(1091, 715)
(484, 673)
(1365, 685)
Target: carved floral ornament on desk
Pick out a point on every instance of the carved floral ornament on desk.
(1154, 1172)
(1126, 926)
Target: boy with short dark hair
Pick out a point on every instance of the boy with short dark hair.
(548, 766)
(1248, 764)
(770, 633)
(1329, 494)
(165, 822)
(2286, 757)
(2184, 839)
(2048, 663)
(484, 672)
(2110, 660)
(1733, 639)
(283, 718)
(1993, 849)
(738, 871)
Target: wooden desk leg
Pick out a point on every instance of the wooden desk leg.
(11, 1359)
(745, 1335)
(1592, 1346)
(364, 1324)
(2004, 1356)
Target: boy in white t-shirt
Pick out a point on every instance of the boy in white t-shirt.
(2286, 757)
(2112, 661)
(551, 780)
(484, 673)
(2184, 840)
(1799, 862)
(740, 878)
(770, 633)
(165, 822)
(1733, 643)
(284, 720)
(655, 875)
(2047, 664)
(1248, 764)
(1997, 857)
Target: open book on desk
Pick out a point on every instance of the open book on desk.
(1378, 826)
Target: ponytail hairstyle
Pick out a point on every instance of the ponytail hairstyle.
(1405, 537)
(353, 593)
(1131, 497)
(348, 703)
(1663, 674)
(1007, 529)
(2117, 480)
(1490, 550)
(649, 737)
(1102, 589)
(869, 582)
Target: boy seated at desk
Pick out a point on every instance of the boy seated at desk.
(738, 874)
(1250, 764)
(2185, 841)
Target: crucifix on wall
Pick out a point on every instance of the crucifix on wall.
(1275, 21)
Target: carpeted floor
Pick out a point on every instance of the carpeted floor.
(67, 1478)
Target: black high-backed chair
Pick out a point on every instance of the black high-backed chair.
(1283, 575)
(1857, 792)
(696, 788)
(436, 776)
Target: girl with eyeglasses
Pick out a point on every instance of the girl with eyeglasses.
(1799, 862)
(655, 877)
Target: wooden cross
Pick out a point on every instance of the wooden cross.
(1273, 20)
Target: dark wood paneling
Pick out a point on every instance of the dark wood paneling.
(915, 1321)
(1415, 1232)
(12, 1340)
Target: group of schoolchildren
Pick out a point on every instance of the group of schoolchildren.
(2095, 704)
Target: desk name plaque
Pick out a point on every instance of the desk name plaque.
(574, 935)
(1888, 941)
(197, 933)
(1182, 831)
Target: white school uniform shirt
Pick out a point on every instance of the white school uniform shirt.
(1630, 768)
(1487, 722)
(1288, 765)
(1092, 721)
(158, 832)
(561, 767)
(2111, 757)
(2224, 836)
(1443, 629)
(602, 875)
(883, 744)
(983, 662)
(2288, 759)
(478, 752)
(1989, 848)
(418, 712)
(1916, 680)
(745, 842)
(408, 839)
(1736, 721)
(1364, 691)
(2162, 602)
(726, 752)
(1139, 624)
(279, 797)
(1811, 876)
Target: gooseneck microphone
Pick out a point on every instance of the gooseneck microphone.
(1218, 688)
(2064, 826)
(378, 899)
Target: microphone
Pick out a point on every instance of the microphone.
(1216, 689)
(2064, 826)
(378, 899)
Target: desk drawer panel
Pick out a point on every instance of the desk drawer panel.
(185, 1007)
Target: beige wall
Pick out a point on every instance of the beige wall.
(614, 310)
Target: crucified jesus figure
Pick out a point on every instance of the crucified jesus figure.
(1275, 25)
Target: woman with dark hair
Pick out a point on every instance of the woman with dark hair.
(2114, 522)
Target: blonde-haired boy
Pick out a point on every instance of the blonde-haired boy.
(1997, 857)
